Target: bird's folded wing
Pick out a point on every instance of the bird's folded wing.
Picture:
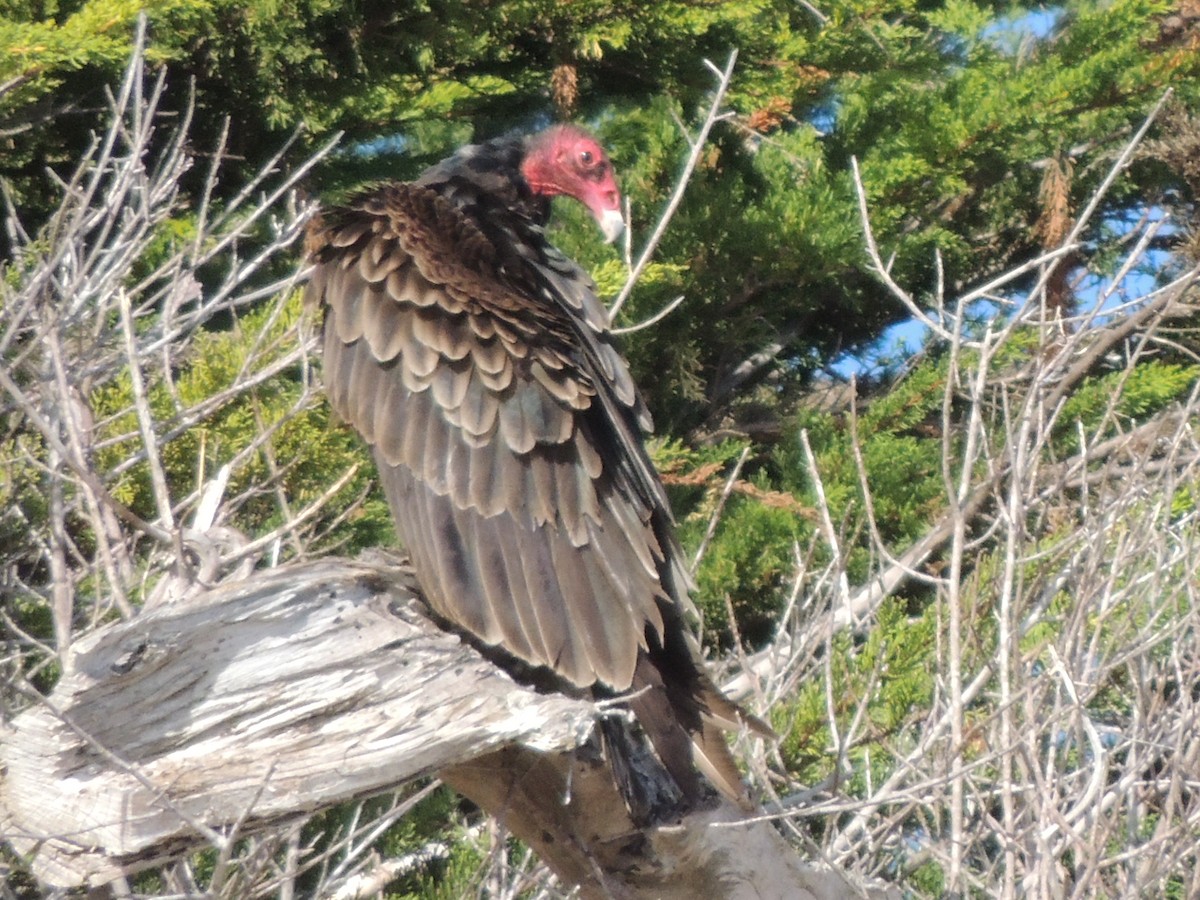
(493, 426)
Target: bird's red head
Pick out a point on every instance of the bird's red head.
(567, 160)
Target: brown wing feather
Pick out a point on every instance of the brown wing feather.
(484, 431)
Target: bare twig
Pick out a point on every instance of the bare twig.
(714, 115)
(715, 518)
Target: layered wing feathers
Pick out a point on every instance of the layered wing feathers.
(493, 413)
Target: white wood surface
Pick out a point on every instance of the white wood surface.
(262, 700)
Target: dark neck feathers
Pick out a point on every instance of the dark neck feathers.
(485, 181)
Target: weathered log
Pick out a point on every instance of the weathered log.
(259, 701)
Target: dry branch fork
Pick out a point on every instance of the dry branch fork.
(258, 702)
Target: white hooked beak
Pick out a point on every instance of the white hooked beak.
(612, 224)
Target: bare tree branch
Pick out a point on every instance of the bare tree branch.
(715, 115)
(205, 720)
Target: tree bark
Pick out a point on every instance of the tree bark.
(260, 701)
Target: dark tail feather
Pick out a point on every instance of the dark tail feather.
(687, 722)
(689, 734)
(719, 715)
(713, 758)
(661, 722)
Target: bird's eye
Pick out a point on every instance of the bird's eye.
(585, 157)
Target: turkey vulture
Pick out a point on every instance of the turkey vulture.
(475, 359)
